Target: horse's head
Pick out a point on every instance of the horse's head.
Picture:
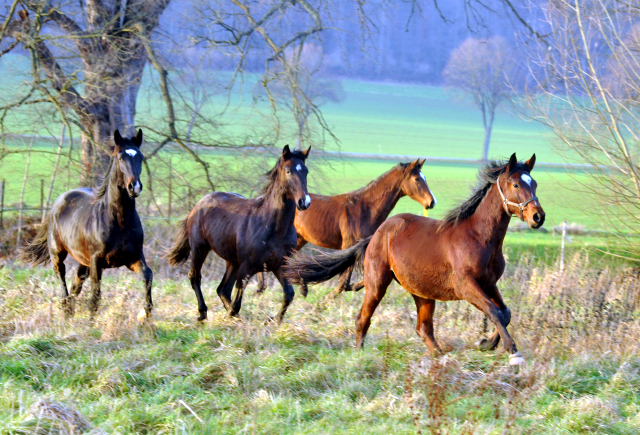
(129, 161)
(414, 184)
(293, 173)
(518, 191)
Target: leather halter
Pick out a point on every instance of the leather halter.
(507, 203)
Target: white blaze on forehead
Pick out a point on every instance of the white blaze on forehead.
(131, 152)
(307, 200)
(435, 201)
(526, 179)
(423, 177)
(298, 167)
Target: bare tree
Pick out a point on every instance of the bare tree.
(104, 38)
(482, 69)
(300, 84)
(585, 87)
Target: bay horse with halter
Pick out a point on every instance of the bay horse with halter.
(100, 228)
(457, 258)
(251, 235)
(338, 222)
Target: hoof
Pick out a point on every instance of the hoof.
(516, 359)
(482, 344)
(202, 317)
(270, 320)
(143, 316)
(304, 291)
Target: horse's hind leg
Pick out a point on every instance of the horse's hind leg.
(76, 286)
(377, 279)
(225, 288)
(288, 291)
(241, 281)
(198, 256)
(345, 279)
(424, 328)
(496, 298)
(262, 282)
(57, 259)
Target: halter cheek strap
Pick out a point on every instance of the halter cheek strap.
(507, 203)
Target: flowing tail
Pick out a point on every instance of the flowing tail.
(313, 269)
(37, 250)
(179, 252)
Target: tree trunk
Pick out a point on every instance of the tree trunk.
(487, 137)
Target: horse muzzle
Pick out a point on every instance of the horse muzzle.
(134, 189)
(304, 203)
(537, 220)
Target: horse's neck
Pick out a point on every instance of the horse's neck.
(279, 210)
(119, 206)
(382, 195)
(490, 221)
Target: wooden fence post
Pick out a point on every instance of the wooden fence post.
(42, 199)
(1, 203)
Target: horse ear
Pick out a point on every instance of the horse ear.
(138, 139)
(117, 139)
(306, 153)
(286, 152)
(531, 162)
(421, 163)
(513, 161)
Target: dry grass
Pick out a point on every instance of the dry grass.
(578, 331)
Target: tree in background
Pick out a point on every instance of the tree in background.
(93, 57)
(585, 87)
(482, 69)
(299, 83)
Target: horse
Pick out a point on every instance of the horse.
(100, 228)
(457, 258)
(251, 235)
(338, 222)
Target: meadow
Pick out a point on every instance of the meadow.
(577, 328)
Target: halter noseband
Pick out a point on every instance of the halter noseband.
(507, 203)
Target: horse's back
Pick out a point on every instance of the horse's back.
(320, 223)
(417, 253)
(218, 219)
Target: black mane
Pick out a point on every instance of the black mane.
(487, 177)
(272, 175)
(101, 190)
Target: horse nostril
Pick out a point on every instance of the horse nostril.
(130, 187)
(537, 217)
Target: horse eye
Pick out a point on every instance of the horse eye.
(287, 171)
(515, 185)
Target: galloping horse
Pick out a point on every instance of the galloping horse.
(457, 258)
(100, 228)
(251, 235)
(338, 222)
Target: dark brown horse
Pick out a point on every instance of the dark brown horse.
(457, 258)
(100, 228)
(338, 222)
(251, 235)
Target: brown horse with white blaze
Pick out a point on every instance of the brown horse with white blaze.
(457, 258)
(251, 235)
(338, 222)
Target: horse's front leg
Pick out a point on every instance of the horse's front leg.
(57, 259)
(345, 279)
(494, 294)
(96, 275)
(288, 291)
(145, 272)
(468, 289)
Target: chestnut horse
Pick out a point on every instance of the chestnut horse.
(457, 258)
(100, 228)
(251, 235)
(338, 222)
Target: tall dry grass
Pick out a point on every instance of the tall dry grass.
(578, 330)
